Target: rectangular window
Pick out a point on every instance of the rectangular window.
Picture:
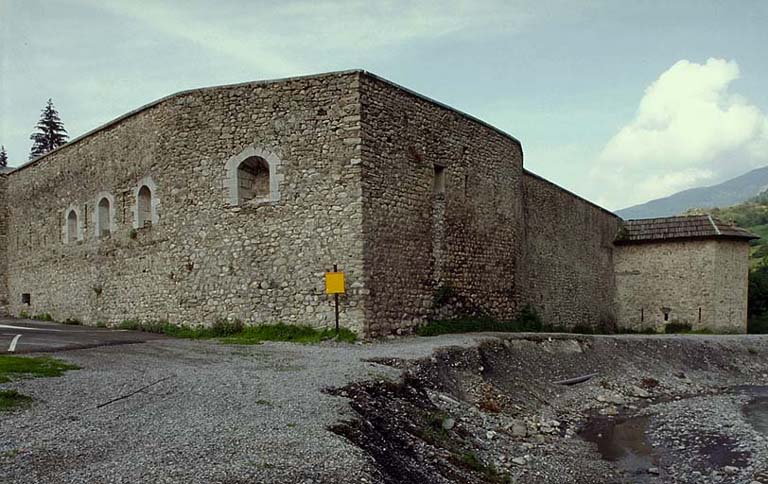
(26, 298)
(438, 182)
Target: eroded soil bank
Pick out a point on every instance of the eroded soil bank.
(661, 409)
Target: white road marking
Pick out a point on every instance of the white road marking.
(8, 326)
(12, 348)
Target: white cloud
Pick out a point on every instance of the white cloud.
(689, 129)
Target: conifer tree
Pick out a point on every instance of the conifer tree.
(50, 132)
(3, 157)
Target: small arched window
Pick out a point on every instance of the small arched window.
(103, 217)
(144, 206)
(252, 179)
(253, 175)
(72, 226)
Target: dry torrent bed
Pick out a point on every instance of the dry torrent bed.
(450, 409)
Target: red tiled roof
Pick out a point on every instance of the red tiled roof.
(684, 227)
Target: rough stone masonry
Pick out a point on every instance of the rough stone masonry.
(231, 202)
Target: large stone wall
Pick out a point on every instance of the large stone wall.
(427, 210)
(3, 245)
(203, 259)
(568, 256)
(702, 283)
(431, 254)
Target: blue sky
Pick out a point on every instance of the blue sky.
(619, 101)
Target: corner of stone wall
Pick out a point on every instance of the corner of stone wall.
(3, 246)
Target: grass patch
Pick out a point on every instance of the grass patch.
(43, 317)
(676, 327)
(470, 461)
(527, 321)
(235, 332)
(288, 332)
(14, 367)
(10, 399)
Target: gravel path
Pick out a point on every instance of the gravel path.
(213, 413)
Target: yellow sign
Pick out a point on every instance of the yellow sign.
(334, 283)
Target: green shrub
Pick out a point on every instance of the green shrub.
(24, 315)
(288, 332)
(527, 321)
(72, 321)
(758, 325)
(43, 317)
(130, 324)
(677, 327)
(236, 332)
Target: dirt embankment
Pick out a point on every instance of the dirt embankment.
(660, 409)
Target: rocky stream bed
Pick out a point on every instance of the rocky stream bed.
(655, 410)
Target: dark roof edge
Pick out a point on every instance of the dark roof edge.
(263, 82)
(442, 105)
(534, 175)
(175, 95)
(669, 240)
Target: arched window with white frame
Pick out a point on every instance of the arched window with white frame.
(253, 176)
(73, 229)
(104, 215)
(145, 208)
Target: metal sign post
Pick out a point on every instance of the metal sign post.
(334, 284)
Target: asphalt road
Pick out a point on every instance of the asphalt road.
(28, 336)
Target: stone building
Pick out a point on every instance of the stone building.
(689, 270)
(232, 202)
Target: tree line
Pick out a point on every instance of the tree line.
(49, 134)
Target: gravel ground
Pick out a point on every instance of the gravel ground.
(213, 413)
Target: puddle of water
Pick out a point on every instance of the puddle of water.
(756, 413)
(622, 440)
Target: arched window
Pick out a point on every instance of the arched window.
(145, 210)
(254, 174)
(144, 206)
(252, 179)
(103, 217)
(72, 226)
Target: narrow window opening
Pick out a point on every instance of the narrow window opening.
(438, 181)
(145, 206)
(103, 217)
(252, 179)
(666, 312)
(71, 226)
(26, 298)
(699, 314)
(642, 315)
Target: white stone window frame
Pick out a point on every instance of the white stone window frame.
(232, 185)
(65, 228)
(96, 222)
(154, 202)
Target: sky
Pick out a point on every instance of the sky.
(619, 101)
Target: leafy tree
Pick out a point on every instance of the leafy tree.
(758, 300)
(50, 132)
(3, 157)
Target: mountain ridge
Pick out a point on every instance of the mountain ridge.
(730, 192)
